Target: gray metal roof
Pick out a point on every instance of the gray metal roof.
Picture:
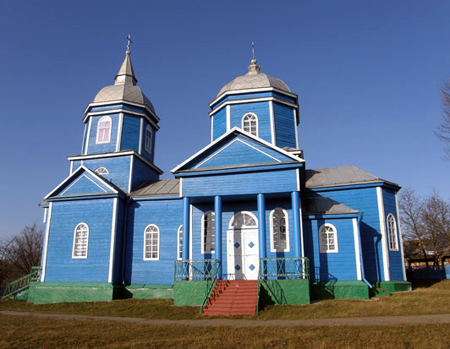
(323, 205)
(341, 175)
(124, 88)
(166, 187)
(254, 79)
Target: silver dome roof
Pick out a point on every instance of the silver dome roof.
(254, 79)
(124, 88)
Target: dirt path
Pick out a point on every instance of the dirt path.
(359, 321)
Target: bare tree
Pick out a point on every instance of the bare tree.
(24, 251)
(436, 217)
(443, 129)
(411, 217)
(426, 223)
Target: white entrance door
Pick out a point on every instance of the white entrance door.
(242, 254)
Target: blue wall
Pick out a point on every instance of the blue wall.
(330, 266)
(131, 130)
(95, 148)
(395, 257)
(117, 166)
(241, 183)
(219, 123)
(365, 201)
(262, 111)
(167, 215)
(65, 216)
(284, 125)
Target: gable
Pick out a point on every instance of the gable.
(237, 149)
(82, 182)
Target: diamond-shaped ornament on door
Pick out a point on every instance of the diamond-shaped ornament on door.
(251, 244)
(237, 245)
(237, 267)
(251, 267)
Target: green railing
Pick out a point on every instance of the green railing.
(284, 268)
(198, 270)
(281, 269)
(21, 284)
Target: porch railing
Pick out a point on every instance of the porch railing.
(198, 270)
(281, 269)
(21, 284)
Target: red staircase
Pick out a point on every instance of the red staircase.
(236, 297)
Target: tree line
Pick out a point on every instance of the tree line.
(20, 253)
(425, 225)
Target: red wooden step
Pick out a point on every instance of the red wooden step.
(232, 297)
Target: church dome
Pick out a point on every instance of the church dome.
(124, 88)
(254, 79)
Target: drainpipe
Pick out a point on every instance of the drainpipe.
(361, 251)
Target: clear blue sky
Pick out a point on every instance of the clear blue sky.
(366, 72)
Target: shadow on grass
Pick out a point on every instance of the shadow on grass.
(416, 284)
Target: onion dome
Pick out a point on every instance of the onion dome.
(254, 79)
(124, 88)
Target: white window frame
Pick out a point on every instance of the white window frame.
(325, 243)
(101, 171)
(150, 237)
(272, 231)
(244, 226)
(82, 247)
(213, 232)
(252, 120)
(104, 120)
(148, 139)
(392, 232)
(180, 243)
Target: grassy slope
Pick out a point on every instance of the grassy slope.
(430, 300)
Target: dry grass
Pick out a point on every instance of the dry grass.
(429, 300)
(27, 333)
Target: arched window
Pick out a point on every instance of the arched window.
(208, 232)
(180, 243)
(151, 242)
(80, 241)
(243, 220)
(101, 171)
(250, 123)
(104, 130)
(279, 231)
(392, 232)
(328, 238)
(148, 139)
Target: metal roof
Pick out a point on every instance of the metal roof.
(254, 79)
(341, 175)
(323, 205)
(124, 88)
(165, 187)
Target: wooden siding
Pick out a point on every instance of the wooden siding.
(219, 124)
(167, 216)
(395, 257)
(116, 106)
(241, 183)
(141, 173)
(284, 125)
(145, 154)
(84, 184)
(254, 95)
(365, 201)
(118, 168)
(61, 267)
(338, 266)
(95, 148)
(238, 151)
(262, 111)
(130, 132)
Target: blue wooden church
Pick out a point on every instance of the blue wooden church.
(244, 209)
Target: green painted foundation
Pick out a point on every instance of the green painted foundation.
(284, 292)
(393, 286)
(339, 290)
(189, 292)
(149, 291)
(58, 292)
